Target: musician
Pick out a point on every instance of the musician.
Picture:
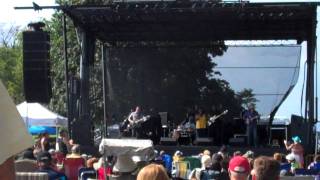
(133, 117)
(251, 117)
(201, 123)
(186, 129)
(190, 126)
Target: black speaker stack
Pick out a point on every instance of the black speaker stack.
(299, 127)
(36, 64)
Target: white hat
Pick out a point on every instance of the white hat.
(178, 153)
(290, 157)
(52, 151)
(98, 164)
(124, 164)
(206, 161)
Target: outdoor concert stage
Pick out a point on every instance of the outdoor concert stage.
(194, 150)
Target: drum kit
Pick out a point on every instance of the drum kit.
(184, 134)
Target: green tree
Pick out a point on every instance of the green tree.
(170, 79)
(11, 71)
(55, 28)
(246, 97)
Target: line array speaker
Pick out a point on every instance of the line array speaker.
(36, 66)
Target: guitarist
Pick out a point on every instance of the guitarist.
(251, 118)
(133, 118)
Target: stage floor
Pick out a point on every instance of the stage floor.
(194, 150)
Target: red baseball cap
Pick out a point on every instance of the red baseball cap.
(239, 164)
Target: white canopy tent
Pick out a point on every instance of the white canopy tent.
(34, 114)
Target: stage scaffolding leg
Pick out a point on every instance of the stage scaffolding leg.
(82, 127)
(104, 57)
(309, 108)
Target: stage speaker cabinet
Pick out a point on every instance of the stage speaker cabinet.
(298, 127)
(238, 141)
(36, 66)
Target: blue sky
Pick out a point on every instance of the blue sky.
(268, 84)
(292, 104)
(9, 16)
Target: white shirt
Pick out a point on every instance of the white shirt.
(14, 137)
(135, 116)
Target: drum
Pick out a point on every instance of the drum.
(184, 138)
(175, 134)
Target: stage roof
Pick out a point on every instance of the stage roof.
(195, 21)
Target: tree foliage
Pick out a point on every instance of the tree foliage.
(170, 79)
(11, 63)
(247, 97)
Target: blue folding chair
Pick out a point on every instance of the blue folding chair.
(85, 173)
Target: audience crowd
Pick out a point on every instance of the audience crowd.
(66, 161)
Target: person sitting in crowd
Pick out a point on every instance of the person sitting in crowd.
(224, 175)
(293, 163)
(205, 161)
(44, 142)
(207, 152)
(218, 157)
(284, 165)
(90, 162)
(250, 156)
(63, 144)
(315, 165)
(88, 171)
(224, 152)
(277, 157)
(212, 170)
(103, 170)
(178, 156)
(167, 161)
(27, 163)
(44, 161)
(153, 172)
(75, 152)
(265, 168)
(237, 153)
(239, 168)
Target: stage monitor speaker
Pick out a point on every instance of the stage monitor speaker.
(298, 128)
(36, 66)
(203, 141)
(168, 141)
(238, 141)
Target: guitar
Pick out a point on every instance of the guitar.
(249, 120)
(138, 122)
(215, 117)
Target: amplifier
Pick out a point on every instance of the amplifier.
(238, 141)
